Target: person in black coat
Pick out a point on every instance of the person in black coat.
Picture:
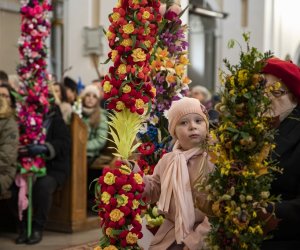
(57, 150)
(285, 224)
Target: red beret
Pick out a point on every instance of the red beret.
(288, 72)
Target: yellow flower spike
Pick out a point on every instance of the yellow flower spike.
(124, 126)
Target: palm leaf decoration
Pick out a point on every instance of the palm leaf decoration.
(124, 126)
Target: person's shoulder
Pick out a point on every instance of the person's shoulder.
(5, 110)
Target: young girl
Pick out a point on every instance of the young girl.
(172, 183)
(96, 120)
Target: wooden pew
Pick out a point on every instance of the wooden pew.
(69, 208)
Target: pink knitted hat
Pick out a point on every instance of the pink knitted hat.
(182, 107)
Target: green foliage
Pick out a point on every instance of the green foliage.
(240, 185)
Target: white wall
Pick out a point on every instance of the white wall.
(77, 15)
(286, 29)
(106, 7)
(232, 26)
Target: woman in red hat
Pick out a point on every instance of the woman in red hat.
(284, 79)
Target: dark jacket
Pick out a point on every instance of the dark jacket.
(58, 141)
(287, 152)
(9, 139)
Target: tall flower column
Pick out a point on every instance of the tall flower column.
(129, 93)
(33, 95)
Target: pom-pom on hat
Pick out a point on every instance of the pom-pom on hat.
(91, 89)
(288, 72)
(182, 107)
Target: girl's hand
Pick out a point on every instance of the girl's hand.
(185, 248)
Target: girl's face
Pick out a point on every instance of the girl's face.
(90, 100)
(57, 92)
(71, 95)
(190, 131)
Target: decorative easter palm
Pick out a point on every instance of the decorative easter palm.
(239, 186)
(129, 93)
(32, 98)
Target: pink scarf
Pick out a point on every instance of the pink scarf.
(22, 201)
(176, 181)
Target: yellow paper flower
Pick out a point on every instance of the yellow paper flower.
(146, 15)
(131, 238)
(162, 54)
(122, 200)
(115, 215)
(128, 28)
(138, 178)
(147, 43)
(109, 232)
(135, 204)
(124, 169)
(122, 69)
(139, 103)
(109, 34)
(115, 16)
(138, 55)
(170, 78)
(127, 187)
(179, 69)
(146, 31)
(153, 90)
(105, 197)
(107, 87)
(109, 178)
(126, 42)
(138, 218)
(126, 89)
(120, 105)
(169, 64)
(114, 53)
(184, 60)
